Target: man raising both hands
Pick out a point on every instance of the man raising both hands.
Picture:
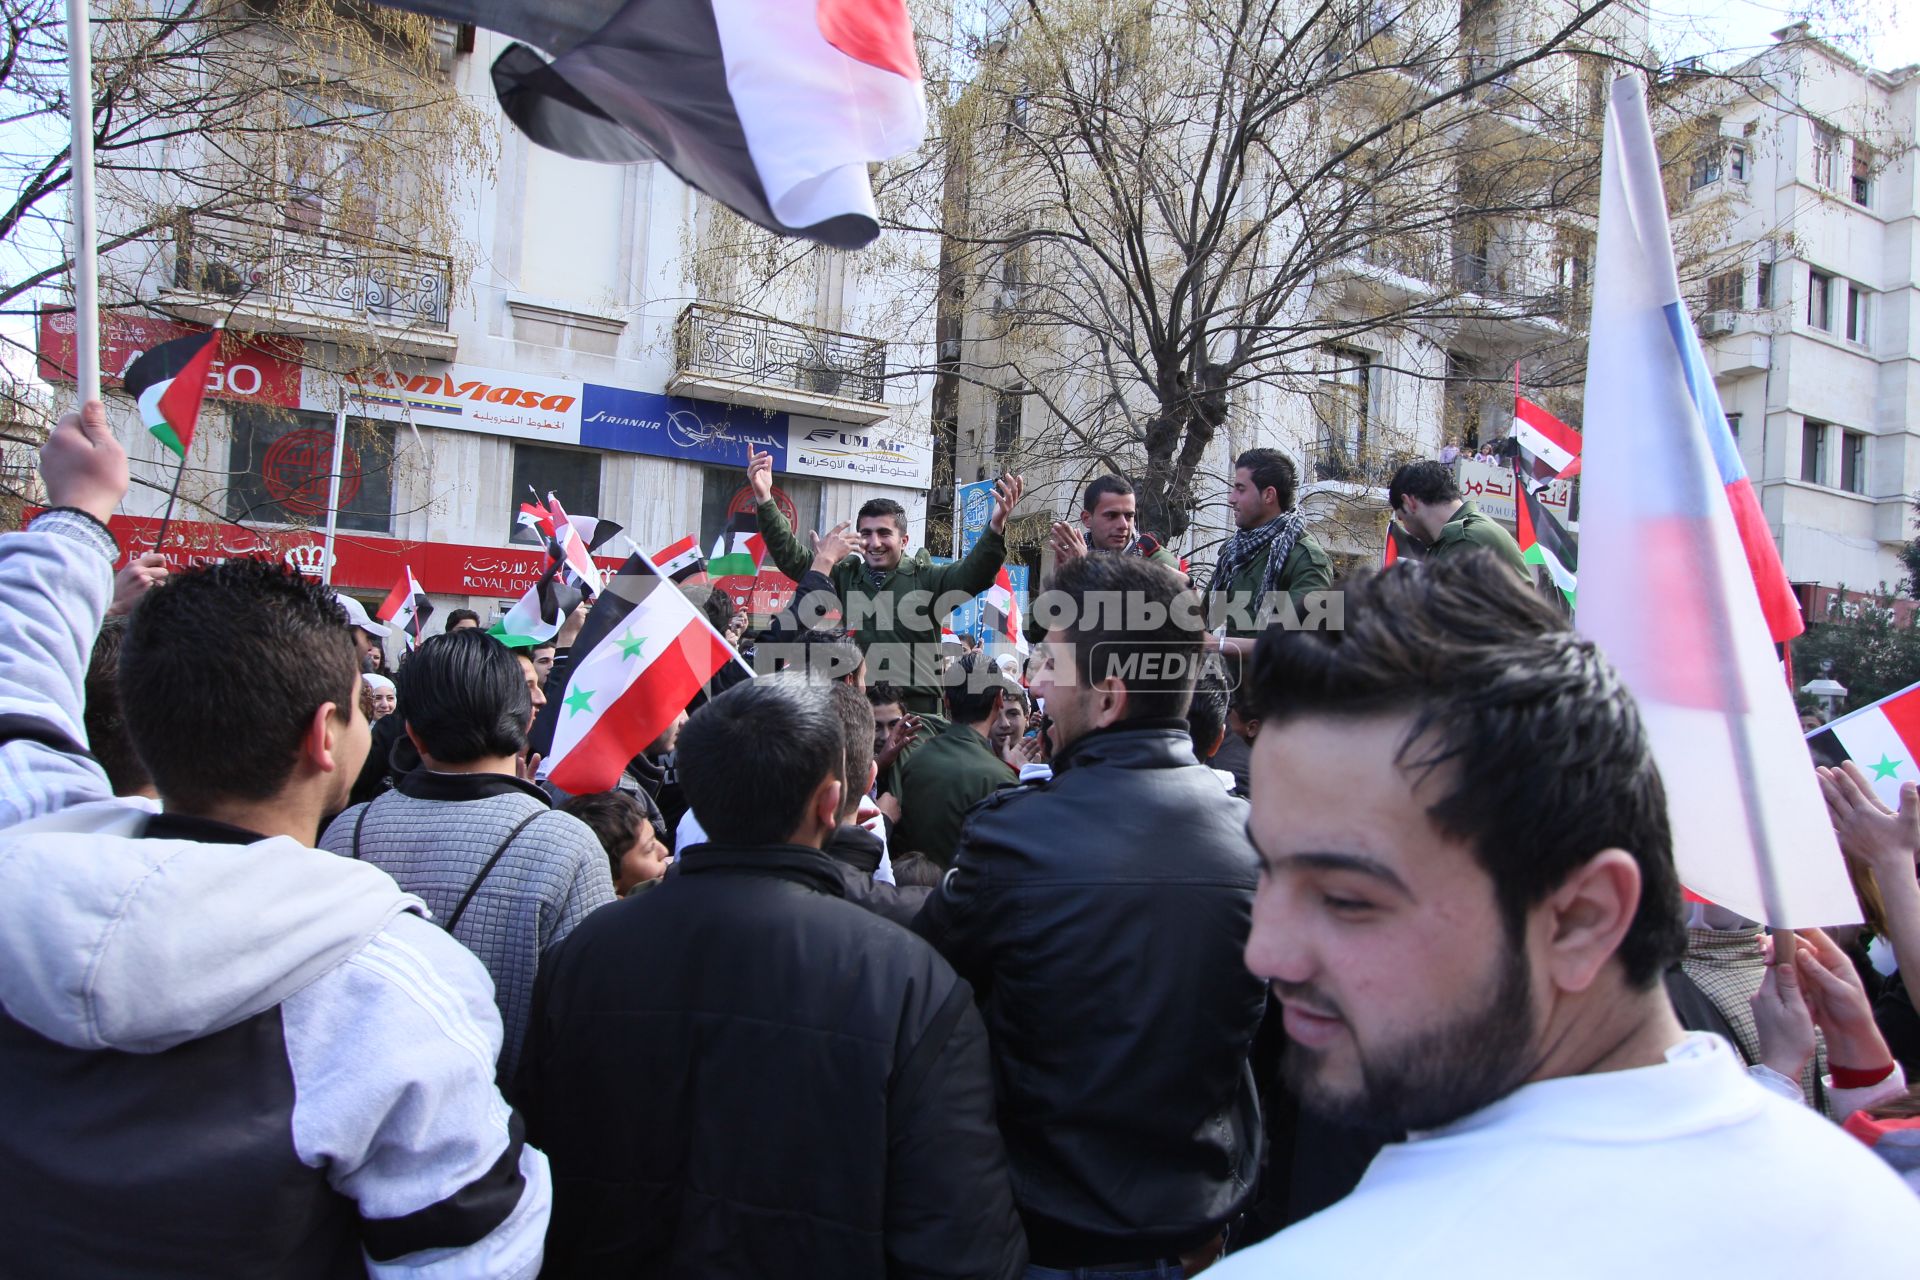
(887, 597)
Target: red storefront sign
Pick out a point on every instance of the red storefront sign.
(264, 371)
(361, 562)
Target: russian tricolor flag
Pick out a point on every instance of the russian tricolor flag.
(1680, 583)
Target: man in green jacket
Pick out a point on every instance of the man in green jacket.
(891, 602)
(1271, 552)
(1428, 504)
(1107, 516)
(949, 775)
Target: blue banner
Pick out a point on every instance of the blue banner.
(972, 507)
(969, 618)
(676, 427)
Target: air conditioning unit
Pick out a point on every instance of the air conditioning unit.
(1716, 324)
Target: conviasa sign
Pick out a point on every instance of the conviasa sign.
(440, 393)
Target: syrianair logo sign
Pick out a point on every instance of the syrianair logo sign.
(460, 397)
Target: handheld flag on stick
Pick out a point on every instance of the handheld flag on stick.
(1543, 542)
(1001, 611)
(681, 561)
(1669, 569)
(536, 617)
(407, 608)
(1550, 446)
(169, 382)
(1883, 739)
(644, 653)
(773, 108)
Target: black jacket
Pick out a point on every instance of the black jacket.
(856, 856)
(739, 1074)
(1100, 918)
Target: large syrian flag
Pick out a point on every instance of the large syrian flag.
(775, 108)
(169, 382)
(406, 607)
(1883, 739)
(642, 656)
(1677, 569)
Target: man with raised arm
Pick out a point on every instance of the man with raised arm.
(893, 602)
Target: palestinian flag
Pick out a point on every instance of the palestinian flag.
(681, 561)
(739, 549)
(536, 616)
(1544, 543)
(1000, 610)
(169, 382)
(643, 655)
(775, 108)
(407, 608)
(1883, 739)
(1401, 545)
(1550, 447)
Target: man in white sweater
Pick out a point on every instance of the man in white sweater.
(1468, 902)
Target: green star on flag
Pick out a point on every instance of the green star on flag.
(1887, 768)
(631, 644)
(579, 700)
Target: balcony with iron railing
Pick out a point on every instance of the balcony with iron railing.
(742, 357)
(1340, 459)
(305, 280)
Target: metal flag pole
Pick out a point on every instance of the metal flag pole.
(86, 265)
(333, 490)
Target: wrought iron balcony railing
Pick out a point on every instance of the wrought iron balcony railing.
(722, 342)
(1339, 459)
(313, 270)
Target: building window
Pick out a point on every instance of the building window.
(1726, 291)
(1820, 300)
(282, 464)
(1763, 285)
(1737, 162)
(1826, 157)
(727, 507)
(1813, 451)
(571, 475)
(1862, 175)
(1733, 426)
(1706, 167)
(1853, 461)
(1345, 408)
(1007, 408)
(1857, 303)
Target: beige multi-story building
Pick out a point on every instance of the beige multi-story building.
(1805, 180)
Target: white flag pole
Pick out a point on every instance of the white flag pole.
(86, 266)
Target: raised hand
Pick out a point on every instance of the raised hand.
(1887, 842)
(83, 466)
(1068, 544)
(1006, 496)
(831, 547)
(1839, 1003)
(760, 473)
(143, 573)
(902, 733)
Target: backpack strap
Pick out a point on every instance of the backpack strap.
(474, 888)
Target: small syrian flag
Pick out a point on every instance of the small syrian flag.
(739, 549)
(534, 518)
(169, 382)
(1544, 543)
(536, 616)
(642, 656)
(568, 547)
(1001, 611)
(1552, 448)
(1883, 739)
(681, 561)
(407, 608)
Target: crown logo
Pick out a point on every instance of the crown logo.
(310, 559)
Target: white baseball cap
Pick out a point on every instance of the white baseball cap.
(357, 616)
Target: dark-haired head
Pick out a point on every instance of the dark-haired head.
(216, 734)
(856, 727)
(975, 689)
(106, 726)
(1269, 479)
(776, 739)
(462, 619)
(1207, 713)
(1536, 746)
(1430, 482)
(465, 697)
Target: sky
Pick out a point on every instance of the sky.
(1882, 33)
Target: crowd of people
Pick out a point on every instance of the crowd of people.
(1255, 925)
